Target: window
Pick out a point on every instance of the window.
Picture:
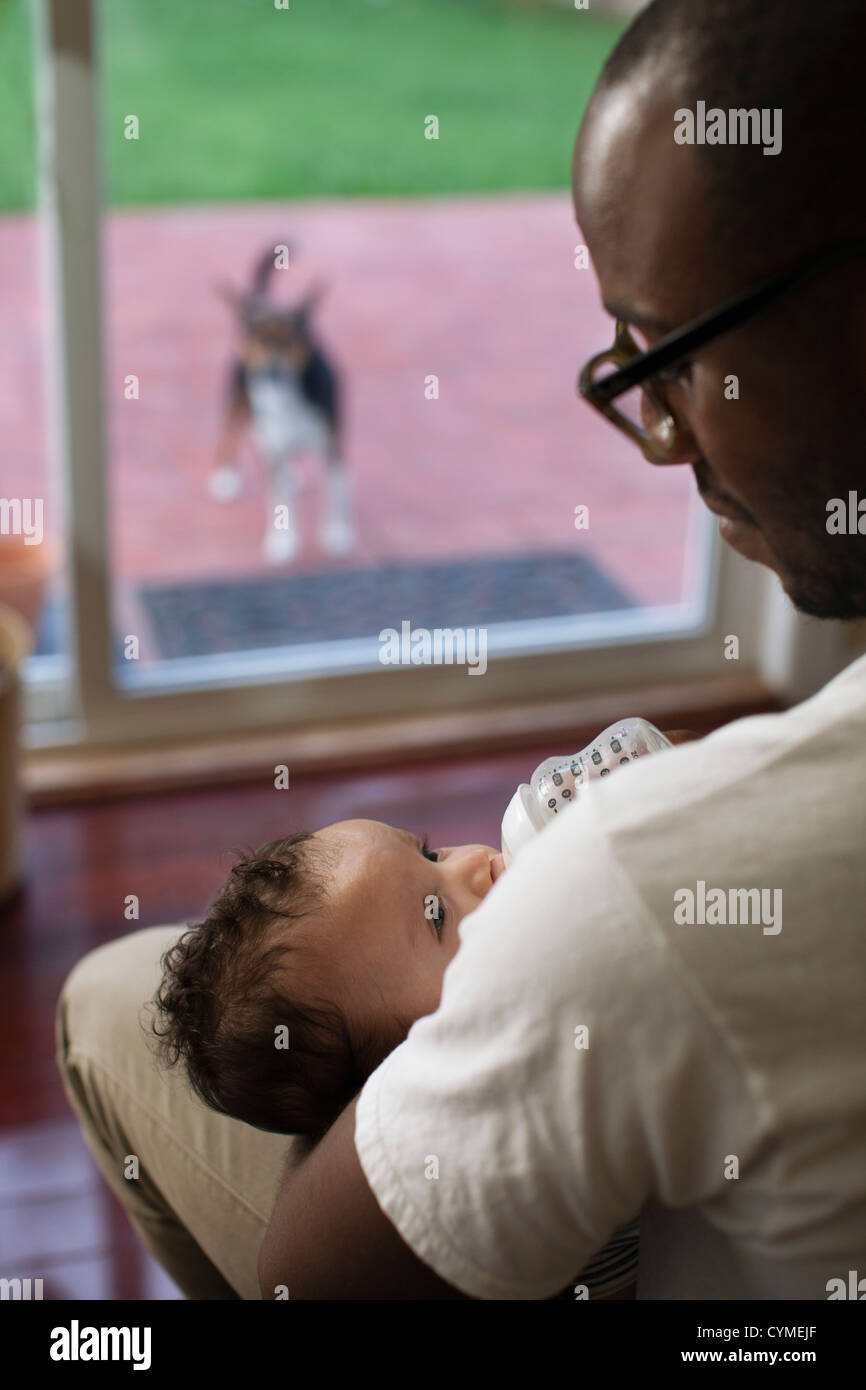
(443, 298)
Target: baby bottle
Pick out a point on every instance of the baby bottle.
(556, 782)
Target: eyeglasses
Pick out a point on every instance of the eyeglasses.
(653, 426)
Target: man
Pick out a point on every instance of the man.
(660, 1010)
(723, 1090)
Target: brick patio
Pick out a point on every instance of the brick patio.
(480, 291)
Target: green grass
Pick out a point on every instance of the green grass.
(239, 101)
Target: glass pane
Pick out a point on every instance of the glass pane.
(32, 561)
(384, 427)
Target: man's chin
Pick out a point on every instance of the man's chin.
(814, 588)
(826, 598)
(748, 540)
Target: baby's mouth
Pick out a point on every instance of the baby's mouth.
(497, 867)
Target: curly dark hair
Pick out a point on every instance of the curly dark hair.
(220, 1007)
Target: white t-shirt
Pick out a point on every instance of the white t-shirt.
(719, 1091)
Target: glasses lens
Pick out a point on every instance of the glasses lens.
(640, 407)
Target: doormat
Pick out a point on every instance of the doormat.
(232, 615)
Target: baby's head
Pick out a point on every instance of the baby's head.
(316, 958)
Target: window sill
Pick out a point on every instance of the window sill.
(58, 777)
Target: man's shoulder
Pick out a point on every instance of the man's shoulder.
(750, 767)
(742, 830)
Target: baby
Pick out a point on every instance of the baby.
(316, 958)
(342, 937)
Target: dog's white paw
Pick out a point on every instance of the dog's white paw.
(336, 535)
(278, 547)
(336, 529)
(225, 483)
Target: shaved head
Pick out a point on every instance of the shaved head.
(676, 227)
(801, 57)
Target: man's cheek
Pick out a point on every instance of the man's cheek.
(729, 434)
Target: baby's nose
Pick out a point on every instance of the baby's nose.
(480, 868)
(477, 865)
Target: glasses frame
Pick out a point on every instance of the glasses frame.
(635, 367)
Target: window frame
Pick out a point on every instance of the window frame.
(548, 660)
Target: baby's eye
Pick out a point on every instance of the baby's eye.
(428, 853)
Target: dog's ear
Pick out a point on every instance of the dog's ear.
(231, 295)
(311, 299)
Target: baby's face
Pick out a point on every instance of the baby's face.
(390, 928)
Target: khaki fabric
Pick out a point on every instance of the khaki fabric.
(207, 1183)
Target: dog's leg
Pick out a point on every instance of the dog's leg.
(281, 540)
(226, 482)
(337, 529)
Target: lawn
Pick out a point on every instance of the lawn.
(239, 101)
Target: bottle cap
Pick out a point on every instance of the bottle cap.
(519, 826)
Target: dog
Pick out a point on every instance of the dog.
(284, 391)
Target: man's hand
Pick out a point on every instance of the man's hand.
(328, 1237)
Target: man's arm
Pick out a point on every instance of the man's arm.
(328, 1238)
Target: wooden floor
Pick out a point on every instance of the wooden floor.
(58, 1222)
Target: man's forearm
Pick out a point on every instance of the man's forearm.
(328, 1238)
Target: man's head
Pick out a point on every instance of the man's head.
(676, 229)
